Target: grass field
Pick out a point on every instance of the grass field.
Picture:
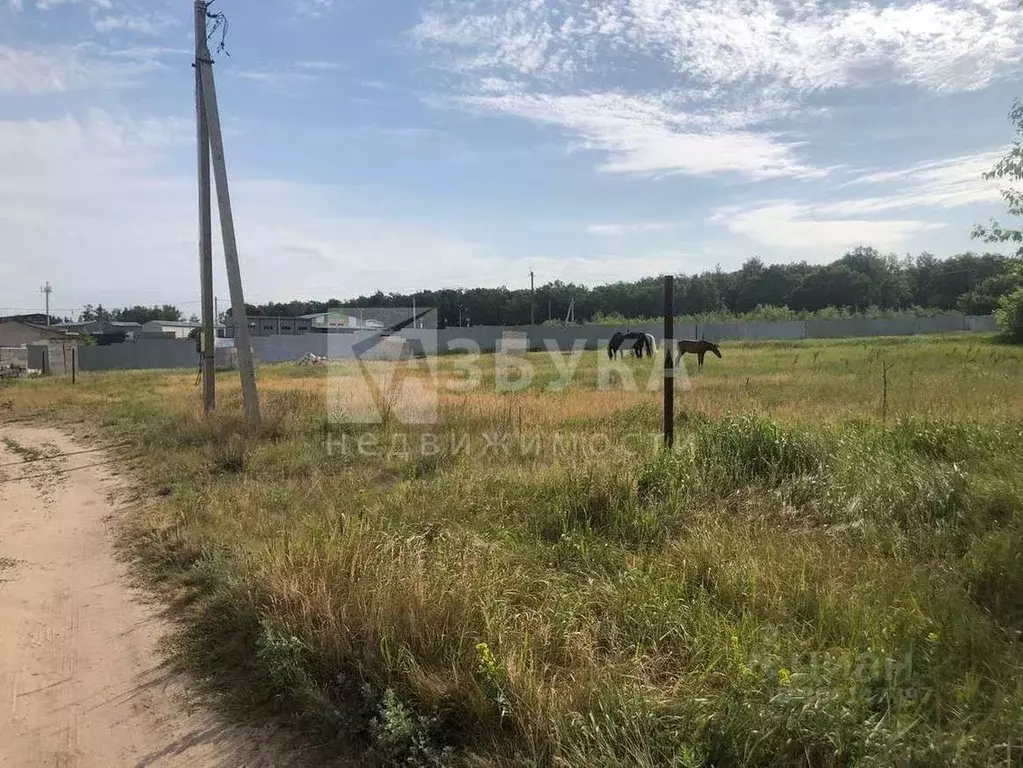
(531, 581)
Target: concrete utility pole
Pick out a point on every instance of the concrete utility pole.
(47, 289)
(669, 365)
(531, 295)
(207, 349)
(211, 116)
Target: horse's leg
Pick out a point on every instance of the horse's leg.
(699, 357)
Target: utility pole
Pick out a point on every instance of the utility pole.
(210, 115)
(669, 366)
(207, 351)
(531, 301)
(47, 289)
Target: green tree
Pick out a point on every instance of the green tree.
(1009, 167)
(1009, 313)
(142, 314)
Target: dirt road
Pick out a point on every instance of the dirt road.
(81, 682)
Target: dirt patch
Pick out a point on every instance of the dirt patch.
(81, 681)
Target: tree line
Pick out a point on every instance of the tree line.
(863, 279)
(137, 314)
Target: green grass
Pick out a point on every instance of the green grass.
(533, 582)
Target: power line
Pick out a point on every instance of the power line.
(59, 471)
(52, 457)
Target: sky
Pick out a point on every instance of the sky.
(381, 145)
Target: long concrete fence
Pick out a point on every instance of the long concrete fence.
(145, 354)
(168, 353)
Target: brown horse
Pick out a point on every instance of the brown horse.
(698, 348)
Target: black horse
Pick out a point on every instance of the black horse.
(641, 342)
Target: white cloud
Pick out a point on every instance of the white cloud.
(318, 66)
(153, 23)
(714, 71)
(48, 70)
(284, 78)
(946, 183)
(70, 68)
(793, 226)
(937, 184)
(46, 5)
(313, 8)
(104, 208)
(805, 45)
(644, 135)
(617, 230)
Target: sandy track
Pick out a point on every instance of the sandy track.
(81, 682)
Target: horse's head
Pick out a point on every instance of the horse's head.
(714, 349)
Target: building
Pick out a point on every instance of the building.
(174, 329)
(14, 333)
(343, 320)
(102, 328)
(260, 325)
(16, 337)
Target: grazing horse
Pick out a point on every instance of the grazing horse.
(699, 348)
(615, 344)
(641, 342)
(645, 344)
(651, 344)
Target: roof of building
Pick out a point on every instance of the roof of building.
(113, 323)
(182, 324)
(50, 329)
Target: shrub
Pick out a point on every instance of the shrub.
(1009, 316)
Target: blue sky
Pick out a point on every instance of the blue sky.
(433, 143)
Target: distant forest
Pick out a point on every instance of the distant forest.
(862, 281)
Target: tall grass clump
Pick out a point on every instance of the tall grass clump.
(749, 450)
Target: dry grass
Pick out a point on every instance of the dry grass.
(531, 582)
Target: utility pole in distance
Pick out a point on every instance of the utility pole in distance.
(669, 366)
(211, 116)
(47, 289)
(206, 344)
(531, 299)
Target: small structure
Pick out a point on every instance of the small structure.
(346, 320)
(342, 320)
(174, 329)
(25, 346)
(15, 333)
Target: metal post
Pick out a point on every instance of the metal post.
(669, 368)
(47, 289)
(206, 344)
(531, 302)
(243, 344)
(74, 362)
